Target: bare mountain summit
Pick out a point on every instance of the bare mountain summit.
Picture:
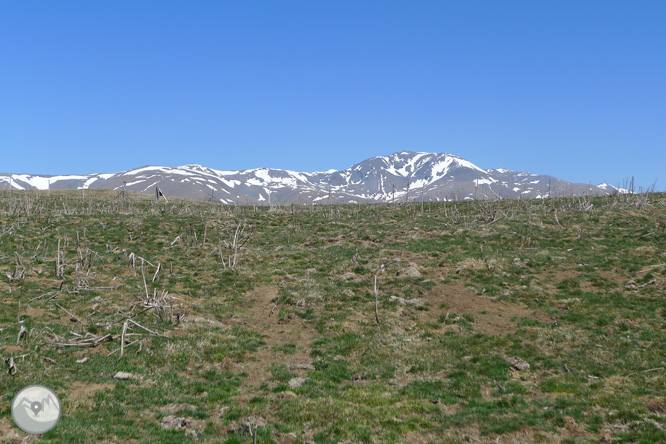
(400, 177)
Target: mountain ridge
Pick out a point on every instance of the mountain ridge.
(401, 176)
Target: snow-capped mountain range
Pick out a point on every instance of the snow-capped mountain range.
(399, 177)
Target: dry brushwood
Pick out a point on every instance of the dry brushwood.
(157, 272)
(11, 366)
(19, 270)
(60, 262)
(21, 334)
(379, 270)
(252, 424)
(124, 335)
(163, 306)
(234, 245)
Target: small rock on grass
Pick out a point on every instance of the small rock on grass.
(285, 438)
(172, 422)
(518, 364)
(125, 376)
(359, 377)
(178, 423)
(402, 301)
(411, 271)
(296, 382)
(293, 367)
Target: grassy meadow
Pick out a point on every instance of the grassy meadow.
(482, 321)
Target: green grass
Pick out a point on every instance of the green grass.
(594, 340)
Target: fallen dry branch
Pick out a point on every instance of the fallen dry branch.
(51, 294)
(650, 268)
(89, 340)
(73, 317)
(140, 342)
(646, 371)
(147, 329)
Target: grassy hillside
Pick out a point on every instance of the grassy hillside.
(529, 321)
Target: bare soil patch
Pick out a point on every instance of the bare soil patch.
(12, 349)
(262, 316)
(12, 435)
(491, 317)
(81, 392)
(35, 312)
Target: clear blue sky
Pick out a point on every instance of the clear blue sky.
(576, 89)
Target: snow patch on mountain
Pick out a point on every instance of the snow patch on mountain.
(612, 189)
